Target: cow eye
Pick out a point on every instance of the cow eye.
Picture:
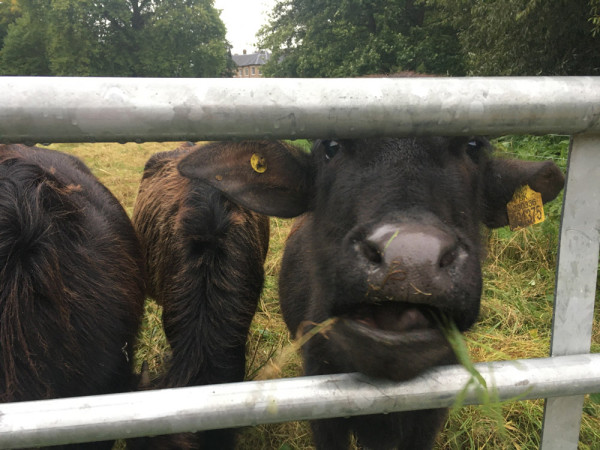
(475, 144)
(474, 147)
(331, 148)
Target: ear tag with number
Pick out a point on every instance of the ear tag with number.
(258, 163)
(526, 208)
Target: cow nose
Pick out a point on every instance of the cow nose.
(411, 259)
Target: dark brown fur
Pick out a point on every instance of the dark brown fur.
(71, 280)
(389, 245)
(204, 257)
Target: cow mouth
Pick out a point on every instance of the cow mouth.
(391, 319)
(393, 340)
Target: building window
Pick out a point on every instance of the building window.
(259, 72)
(239, 72)
(245, 71)
(253, 71)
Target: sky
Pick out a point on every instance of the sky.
(243, 18)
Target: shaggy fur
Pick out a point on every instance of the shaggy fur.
(204, 257)
(71, 280)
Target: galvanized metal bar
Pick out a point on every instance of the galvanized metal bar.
(239, 404)
(38, 109)
(575, 283)
(114, 109)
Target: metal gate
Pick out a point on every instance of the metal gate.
(119, 110)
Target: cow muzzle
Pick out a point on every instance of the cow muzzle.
(410, 262)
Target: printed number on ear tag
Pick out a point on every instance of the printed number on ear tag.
(525, 208)
(258, 163)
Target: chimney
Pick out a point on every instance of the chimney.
(244, 51)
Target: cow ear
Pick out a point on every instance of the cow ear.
(268, 177)
(503, 177)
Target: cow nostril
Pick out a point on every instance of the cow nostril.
(371, 252)
(448, 257)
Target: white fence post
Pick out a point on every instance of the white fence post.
(575, 283)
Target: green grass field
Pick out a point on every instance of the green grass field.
(515, 318)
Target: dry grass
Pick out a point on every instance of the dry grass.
(118, 166)
(516, 317)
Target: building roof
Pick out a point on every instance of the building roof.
(251, 59)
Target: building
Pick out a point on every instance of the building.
(249, 65)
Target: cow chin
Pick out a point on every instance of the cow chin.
(392, 341)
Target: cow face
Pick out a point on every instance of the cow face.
(389, 247)
(395, 250)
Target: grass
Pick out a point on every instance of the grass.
(515, 320)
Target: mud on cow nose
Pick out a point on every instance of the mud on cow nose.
(410, 262)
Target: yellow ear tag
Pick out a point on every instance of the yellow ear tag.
(526, 208)
(258, 163)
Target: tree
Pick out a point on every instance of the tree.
(23, 50)
(595, 16)
(480, 37)
(9, 12)
(71, 47)
(525, 37)
(333, 38)
(184, 38)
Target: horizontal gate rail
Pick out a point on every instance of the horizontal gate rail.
(39, 109)
(42, 109)
(83, 419)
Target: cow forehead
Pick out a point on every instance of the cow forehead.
(417, 150)
(440, 157)
(370, 178)
(390, 143)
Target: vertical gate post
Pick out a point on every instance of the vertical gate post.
(575, 283)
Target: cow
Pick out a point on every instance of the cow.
(204, 259)
(387, 249)
(71, 281)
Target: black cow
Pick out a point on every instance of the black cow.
(71, 281)
(204, 257)
(389, 246)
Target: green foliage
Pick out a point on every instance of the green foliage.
(9, 12)
(184, 39)
(304, 144)
(332, 38)
(329, 38)
(525, 37)
(25, 41)
(162, 38)
(69, 48)
(554, 147)
(595, 16)
(486, 395)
